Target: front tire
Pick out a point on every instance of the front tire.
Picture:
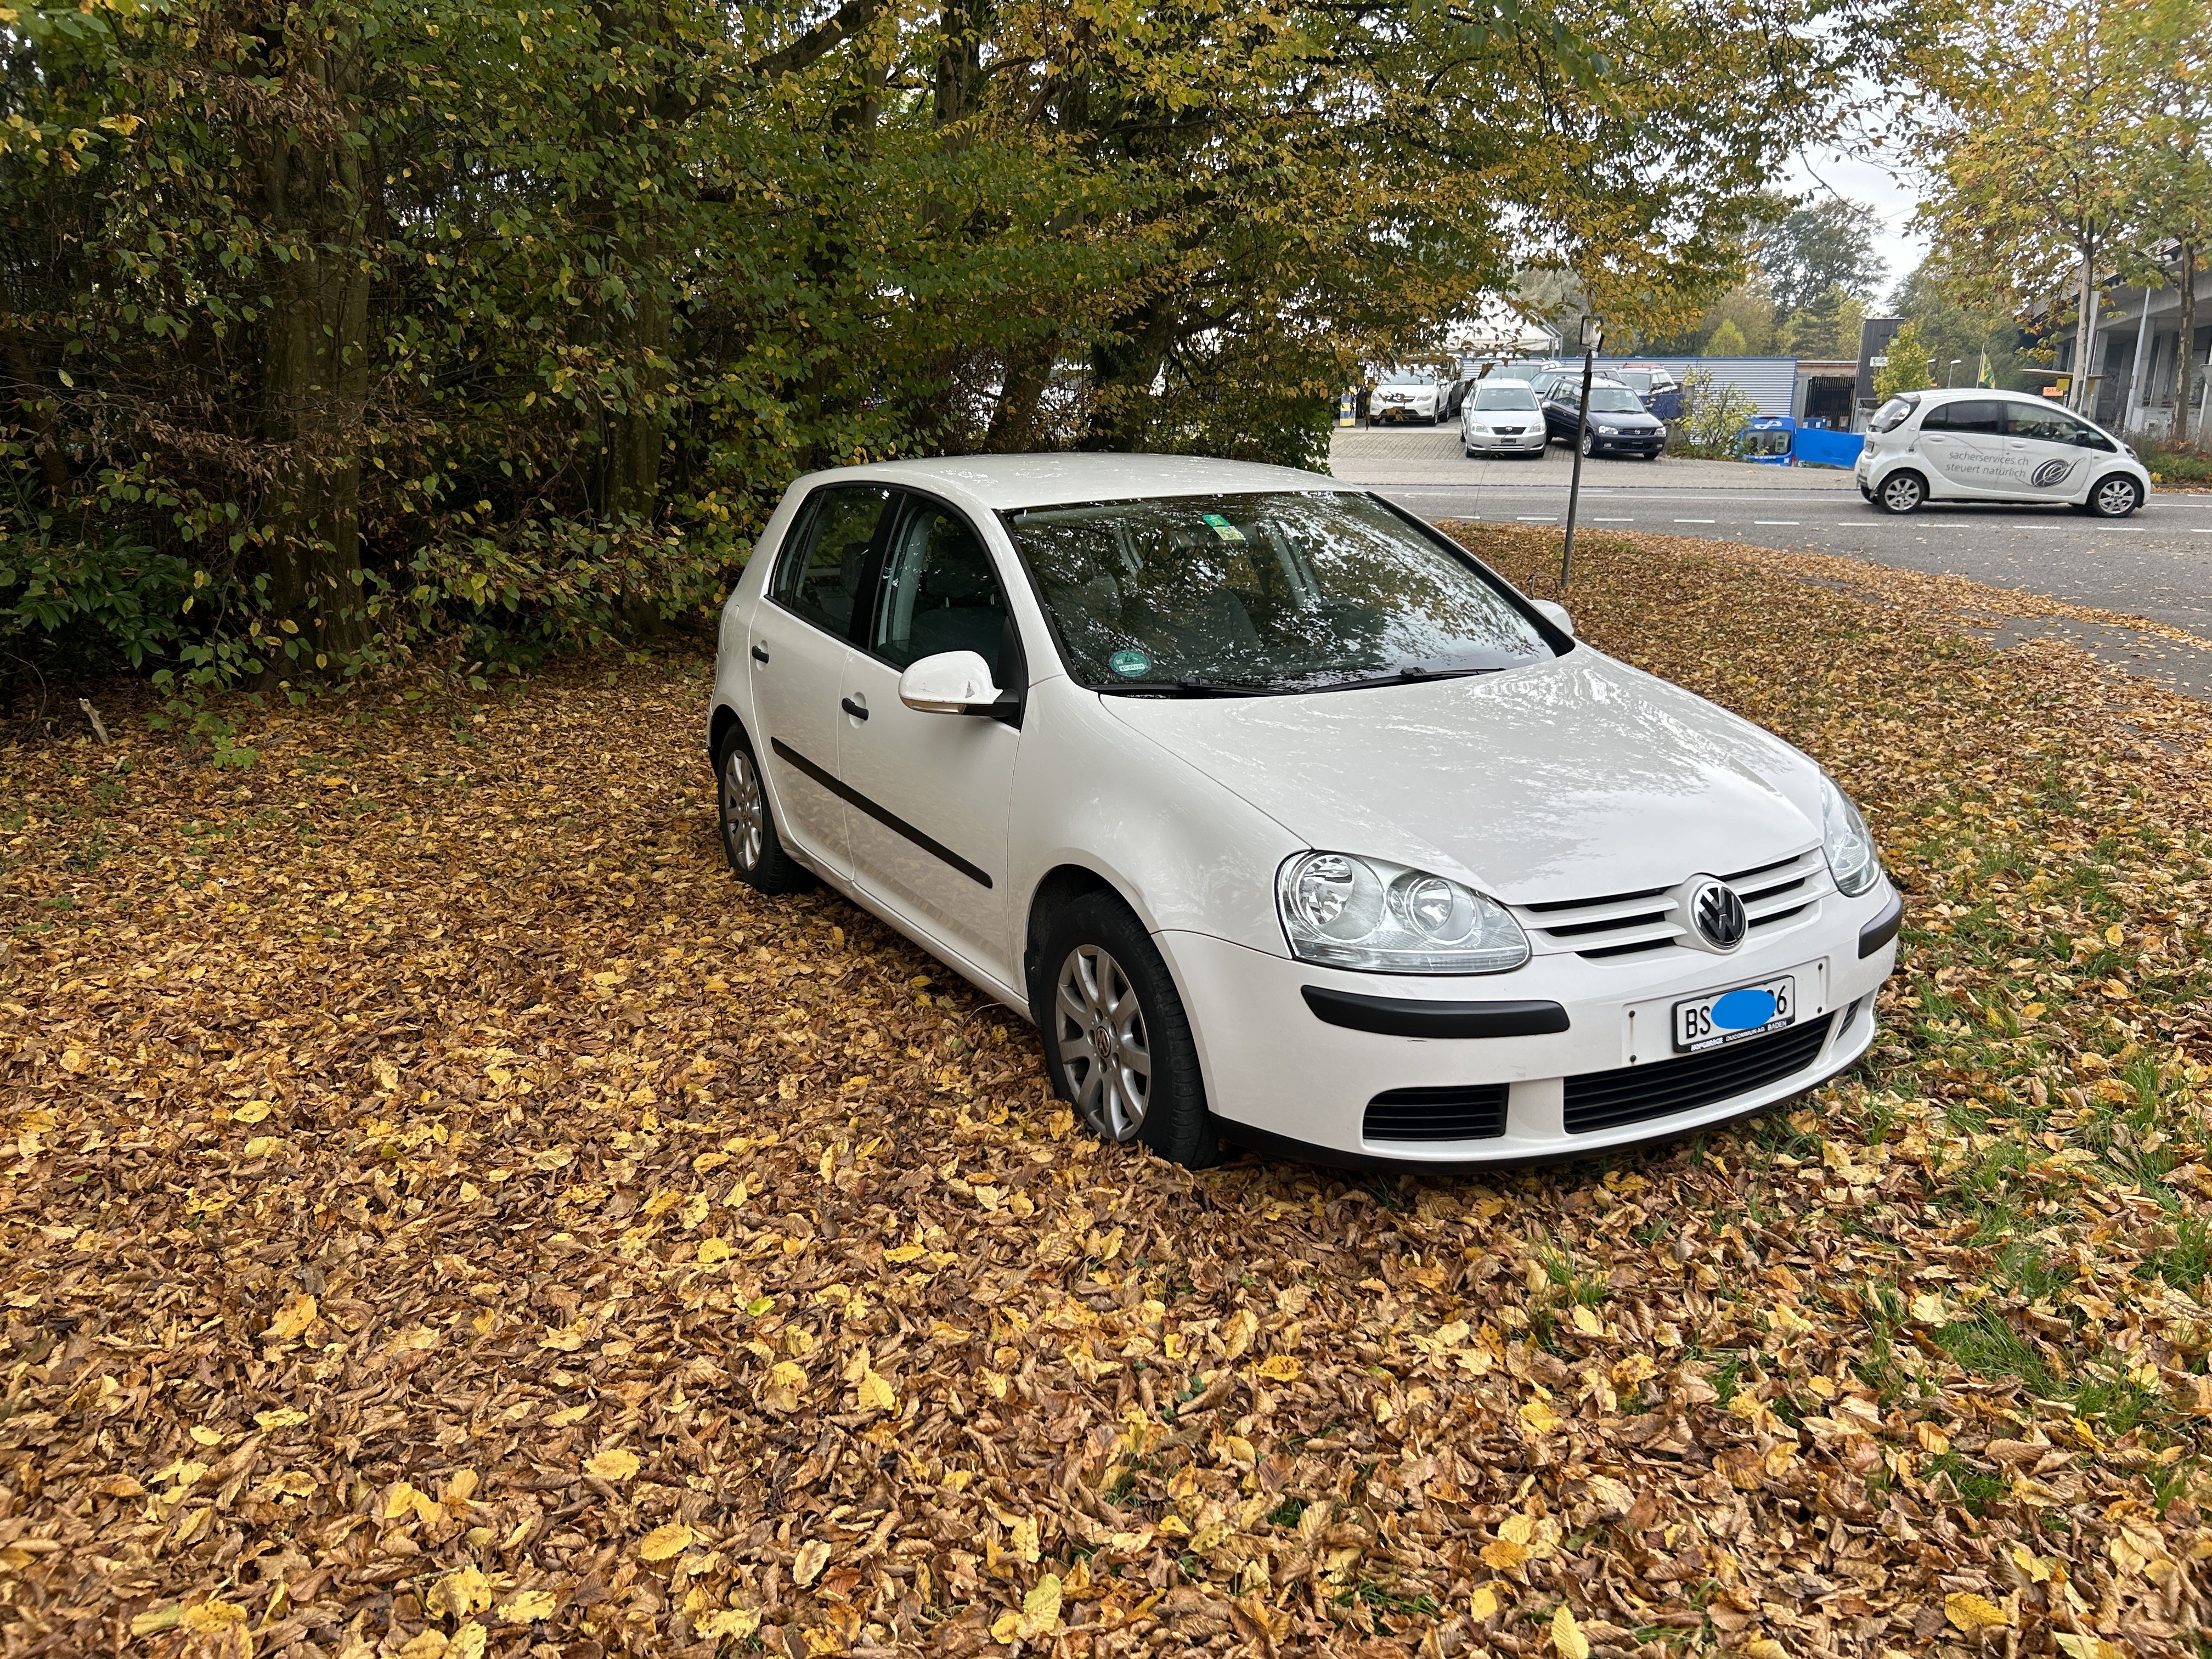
(1589, 447)
(750, 841)
(2115, 498)
(1117, 1043)
(1901, 493)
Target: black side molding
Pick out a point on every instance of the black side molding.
(1883, 928)
(1409, 1016)
(883, 816)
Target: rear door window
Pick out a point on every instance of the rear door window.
(826, 561)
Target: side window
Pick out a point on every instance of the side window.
(938, 593)
(820, 577)
(1968, 415)
(2053, 426)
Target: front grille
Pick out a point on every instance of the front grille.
(1633, 1094)
(1471, 1111)
(1625, 924)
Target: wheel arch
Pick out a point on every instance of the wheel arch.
(719, 726)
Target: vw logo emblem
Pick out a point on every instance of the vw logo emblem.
(1718, 915)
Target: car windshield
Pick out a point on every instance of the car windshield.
(1407, 377)
(1892, 414)
(1636, 380)
(1279, 592)
(1614, 400)
(1503, 397)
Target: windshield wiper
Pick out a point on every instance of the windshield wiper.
(1196, 686)
(1411, 675)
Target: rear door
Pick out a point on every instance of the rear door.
(799, 654)
(1964, 442)
(931, 794)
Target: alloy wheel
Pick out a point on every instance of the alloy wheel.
(2116, 497)
(1902, 493)
(745, 812)
(1103, 1049)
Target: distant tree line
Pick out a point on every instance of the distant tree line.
(333, 332)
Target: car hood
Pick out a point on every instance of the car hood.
(1639, 422)
(1573, 779)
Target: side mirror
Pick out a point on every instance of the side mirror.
(1549, 610)
(950, 683)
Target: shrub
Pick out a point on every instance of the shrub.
(1713, 414)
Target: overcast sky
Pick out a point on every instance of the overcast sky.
(1820, 170)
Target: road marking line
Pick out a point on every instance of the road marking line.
(1697, 521)
(1596, 520)
(1536, 518)
(1779, 521)
(2200, 532)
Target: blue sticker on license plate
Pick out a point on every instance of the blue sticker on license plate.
(1726, 1016)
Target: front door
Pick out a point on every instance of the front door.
(2056, 452)
(930, 794)
(1965, 444)
(798, 659)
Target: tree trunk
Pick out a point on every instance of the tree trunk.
(315, 377)
(53, 466)
(2185, 368)
(1015, 421)
(2084, 333)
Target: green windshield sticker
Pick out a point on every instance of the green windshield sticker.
(1129, 664)
(1223, 528)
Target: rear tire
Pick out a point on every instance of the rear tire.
(1901, 493)
(1117, 1043)
(750, 841)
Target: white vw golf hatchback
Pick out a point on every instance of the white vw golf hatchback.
(1289, 823)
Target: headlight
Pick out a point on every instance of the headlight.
(1847, 842)
(1384, 918)
(1608, 431)
(1660, 434)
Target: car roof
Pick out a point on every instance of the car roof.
(1002, 483)
(1501, 379)
(1953, 393)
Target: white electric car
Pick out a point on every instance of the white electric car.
(1502, 418)
(1411, 394)
(1289, 823)
(1975, 445)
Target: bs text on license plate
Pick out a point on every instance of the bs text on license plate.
(1727, 1017)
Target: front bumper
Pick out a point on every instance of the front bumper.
(1504, 442)
(1403, 412)
(1291, 1077)
(1627, 444)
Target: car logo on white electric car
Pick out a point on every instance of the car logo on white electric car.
(1718, 915)
(2049, 473)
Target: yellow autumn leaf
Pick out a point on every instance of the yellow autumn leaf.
(1567, 1636)
(1483, 1604)
(2089, 1647)
(905, 1253)
(1505, 1554)
(1236, 1335)
(262, 1146)
(712, 1250)
(293, 1317)
(1971, 1612)
(806, 1566)
(1041, 1607)
(1539, 1416)
(1587, 1322)
(663, 1541)
(1765, 1647)
(876, 1394)
(737, 1622)
(462, 1593)
(1024, 1533)
(153, 1624)
(567, 1415)
(615, 1463)
(468, 1642)
(527, 1606)
(400, 1500)
(253, 1112)
(1281, 1368)
(212, 1618)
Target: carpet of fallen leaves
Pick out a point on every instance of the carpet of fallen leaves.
(445, 1215)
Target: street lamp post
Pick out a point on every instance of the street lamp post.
(1593, 337)
(1950, 376)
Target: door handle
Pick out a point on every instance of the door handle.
(760, 653)
(859, 711)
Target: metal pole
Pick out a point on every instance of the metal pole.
(1575, 484)
(2136, 368)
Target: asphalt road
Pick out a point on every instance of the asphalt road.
(2157, 564)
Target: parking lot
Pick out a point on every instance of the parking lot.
(2157, 565)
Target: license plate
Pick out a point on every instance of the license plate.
(1726, 1017)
